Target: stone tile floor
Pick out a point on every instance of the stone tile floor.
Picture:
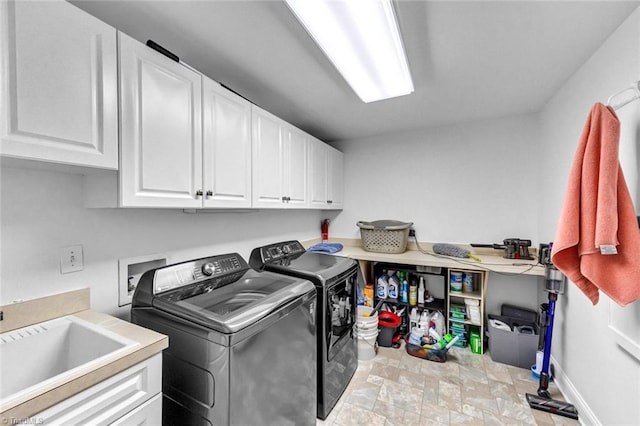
(396, 388)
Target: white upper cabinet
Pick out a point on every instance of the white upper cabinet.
(335, 178)
(279, 158)
(59, 85)
(267, 160)
(161, 132)
(325, 176)
(227, 147)
(296, 173)
(318, 153)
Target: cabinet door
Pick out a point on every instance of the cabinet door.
(161, 141)
(109, 400)
(267, 160)
(59, 85)
(149, 413)
(335, 177)
(317, 174)
(295, 164)
(227, 147)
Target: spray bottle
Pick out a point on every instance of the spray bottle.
(421, 290)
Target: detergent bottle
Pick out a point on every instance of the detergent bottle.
(382, 291)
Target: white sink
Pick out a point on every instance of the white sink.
(51, 352)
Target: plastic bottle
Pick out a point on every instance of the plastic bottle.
(405, 291)
(424, 320)
(393, 287)
(413, 293)
(421, 290)
(382, 290)
(414, 318)
(368, 295)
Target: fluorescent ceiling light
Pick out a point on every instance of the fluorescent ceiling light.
(362, 39)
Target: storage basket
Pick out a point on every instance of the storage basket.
(385, 236)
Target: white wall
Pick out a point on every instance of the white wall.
(474, 182)
(43, 211)
(604, 375)
(466, 183)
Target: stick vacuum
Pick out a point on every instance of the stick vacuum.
(554, 285)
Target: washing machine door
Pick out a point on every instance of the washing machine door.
(237, 305)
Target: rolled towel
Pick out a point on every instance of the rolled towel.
(326, 247)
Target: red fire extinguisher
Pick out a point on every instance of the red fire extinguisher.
(325, 230)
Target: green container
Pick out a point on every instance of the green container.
(476, 342)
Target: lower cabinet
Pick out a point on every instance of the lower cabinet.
(435, 286)
(130, 397)
(458, 294)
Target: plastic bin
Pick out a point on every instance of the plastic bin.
(384, 236)
(517, 346)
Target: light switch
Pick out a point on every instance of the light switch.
(71, 259)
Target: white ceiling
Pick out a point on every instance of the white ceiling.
(469, 60)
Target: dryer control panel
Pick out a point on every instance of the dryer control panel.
(276, 252)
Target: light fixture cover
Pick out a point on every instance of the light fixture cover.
(362, 39)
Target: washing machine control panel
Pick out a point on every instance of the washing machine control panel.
(279, 251)
(195, 271)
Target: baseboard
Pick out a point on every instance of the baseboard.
(571, 394)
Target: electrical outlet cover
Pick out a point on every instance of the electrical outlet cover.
(71, 259)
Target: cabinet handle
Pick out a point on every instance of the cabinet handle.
(284, 199)
(209, 193)
(329, 201)
(198, 193)
(288, 199)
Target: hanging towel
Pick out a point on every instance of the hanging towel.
(598, 217)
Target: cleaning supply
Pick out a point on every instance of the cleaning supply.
(404, 291)
(453, 251)
(394, 287)
(413, 293)
(424, 321)
(368, 295)
(414, 318)
(455, 281)
(382, 291)
(444, 342)
(388, 322)
(421, 290)
(416, 336)
(467, 282)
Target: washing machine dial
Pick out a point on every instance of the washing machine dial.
(208, 269)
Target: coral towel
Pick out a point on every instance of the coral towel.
(598, 217)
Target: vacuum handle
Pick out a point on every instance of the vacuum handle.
(493, 246)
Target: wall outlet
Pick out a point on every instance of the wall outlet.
(71, 259)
